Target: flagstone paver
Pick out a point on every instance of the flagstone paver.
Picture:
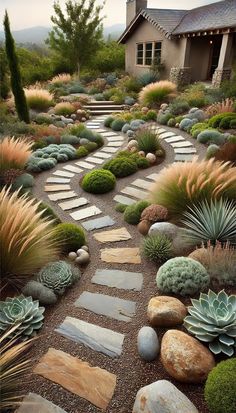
(111, 307)
(109, 134)
(153, 177)
(141, 183)
(124, 200)
(54, 188)
(85, 213)
(33, 403)
(114, 235)
(52, 180)
(115, 139)
(185, 150)
(124, 280)
(78, 377)
(75, 203)
(98, 223)
(109, 150)
(73, 168)
(97, 161)
(165, 134)
(182, 144)
(184, 158)
(64, 174)
(175, 138)
(102, 155)
(62, 195)
(115, 144)
(121, 255)
(137, 193)
(85, 165)
(100, 339)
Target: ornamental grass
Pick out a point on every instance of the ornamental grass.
(60, 79)
(27, 240)
(182, 185)
(64, 108)
(38, 99)
(14, 153)
(155, 93)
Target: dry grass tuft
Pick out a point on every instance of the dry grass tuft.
(60, 79)
(226, 106)
(64, 108)
(38, 99)
(155, 93)
(14, 153)
(27, 240)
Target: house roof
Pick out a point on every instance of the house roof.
(171, 22)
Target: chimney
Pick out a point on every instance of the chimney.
(132, 9)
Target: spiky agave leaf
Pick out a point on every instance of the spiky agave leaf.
(212, 319)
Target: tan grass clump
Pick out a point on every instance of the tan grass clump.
(14, 153)
(38, 99)
(60, 79)
(184, 184)
(64, 108)
(27, 240)
(155, 93)
(226, 106)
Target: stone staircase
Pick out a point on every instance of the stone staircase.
(103, 108)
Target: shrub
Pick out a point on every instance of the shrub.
(194, 95)
(214, 221)
(121, 167)
(185, 184)
(226, 122)
(120, 208)
(48, 213)
(70, 236)
(200, 127)
(87, 134)
(148, 141)
(178, 107)
(24, 312)
(227, 152)
(81, 152)
(98, 182)
(39, 292)
(155, 93)
(220, 387)
(133, 212)
(212, 320)
(142, 163)
(164, 118)
(117, 124)
(147, 78)
(91, 146)
(58, 275)
(157, 248)
(24, 180)
(155, 213)
(38, 99)
(64, 108)
(211, 151)
(70, 139)
(211, 136)
(151, 115)
(76, 129)
(61, 79)
(232, 124)
(171, 122)
(43, 119)
(14, 153)
(32, 234)
(182, 276)
(76, 88)
(186, 124)
(216, 120)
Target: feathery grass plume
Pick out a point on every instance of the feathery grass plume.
(14, 153)
(27, 240)
(225, 106)
(60, 79)
(182, 185)
(37, 98)
(155, 93)
(64, 108)
(14, 366)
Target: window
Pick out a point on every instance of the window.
(148, 52)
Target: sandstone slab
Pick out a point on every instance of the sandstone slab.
(55, 188)
(112, 307)
(58, 180)
(102, 155)
(85, 213)
(175, 138)
(137, 193)
(98, 223)
(121, 255)
(166, 134)
(141, 183)
(85, 165)
(114, 235)
(77, 377)
(75, 203)
(153, 177)
(97, 338)
(33, 403)
(183, 144)
(115, 144)
(183, 158)
(115, 139)
(109, 150)
(165, 311)
(121, 199)
(97, 161)
(148, 344)
(72, 168)
(64, 174)
(62, 195)
(185, 150)
(124, 280)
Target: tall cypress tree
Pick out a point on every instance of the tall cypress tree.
(16, 83)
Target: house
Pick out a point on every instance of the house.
(193, 45)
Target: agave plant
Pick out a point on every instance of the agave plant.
(212, 319)
(57, 276)
(214, 221)
(22, 312)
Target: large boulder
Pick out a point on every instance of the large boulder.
(164, 228)
(162, 397)
(148, 343)
(185, 358)
(164, 311)
(178, 236)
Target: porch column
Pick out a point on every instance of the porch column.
(223, 71)
(181, 75)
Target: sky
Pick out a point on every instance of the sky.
(29, 13)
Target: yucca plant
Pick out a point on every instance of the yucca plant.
(27, 240)
(212, 320)
(38, 99)
(184, 184)
(148, 141)
(14, 153)
(214, 221)
(15, 365)
(157, 248)
(155, 93)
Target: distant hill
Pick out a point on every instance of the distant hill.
(38, 34)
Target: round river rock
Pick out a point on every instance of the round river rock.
(148, 343)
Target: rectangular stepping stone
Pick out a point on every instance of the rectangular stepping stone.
(100, 130)
(185, 150)
(183, 144)
(166, 134)
(93, 126)
(102, 155)
(123, 280)
(115, 144)
(121, 255)
(93, 122)
(97, 161)
(85, 213)
(137, 193)
(109, 134)
(175, 139)
(54, 188)
(75, 203)
(153, 177)
(161, 130)
(62, 195)
(58, 180)
(140, 183)
(33, 403)
(114, 235)
(98, 223)
(184, 158)
(64, 173)
(109, 150)
(91, 383)
(85, 165)
(115, 139)
(124, 200)
(112, 307)
(73, 169)
(97, 338)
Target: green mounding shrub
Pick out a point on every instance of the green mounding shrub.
(171, 122)
(46, 158)
(76, 88)
(195, 95)
(212, 320)
(76, 129)
(182, 276)
(125, 128)
(87, 134)
(133, 212)
(199, 127)
(25, 181)
(142, 163)
(39, 292)
(211, 151)
(232, 124)
(23, 311)
(98, 139)
(117, 125)
(179, 107)
(70, 236)
(99, 97)
(99, 182)
(232, 139)
(129, 101)
(226, 122)
(48, 213)
(121, 167)
(91, 146)
(179, 119)
(81, 152)
(58, 276)
(220, 387)
(157, 248)
(211, 136)
(164, 118)
(132, 84)
(119, 97)
(43, 119)
(151, 115)
(70, 139)
(120, 208)
(214, 122)
(211, 221)
(148, 141)
(155, 93)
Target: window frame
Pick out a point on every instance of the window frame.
(144, 44)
